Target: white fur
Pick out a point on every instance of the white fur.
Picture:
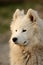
(33, 37)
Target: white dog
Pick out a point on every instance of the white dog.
(26, 43)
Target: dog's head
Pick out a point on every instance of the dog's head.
(24, 27)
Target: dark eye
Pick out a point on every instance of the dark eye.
(16, 30)
(23, 30)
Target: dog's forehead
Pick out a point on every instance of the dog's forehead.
(22, 23)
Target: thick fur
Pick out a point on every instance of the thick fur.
(30, 53)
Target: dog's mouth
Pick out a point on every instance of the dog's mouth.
(24, 43)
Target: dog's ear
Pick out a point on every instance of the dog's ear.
(18, 13)
(32, 15)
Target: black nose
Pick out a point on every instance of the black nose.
(14, 39)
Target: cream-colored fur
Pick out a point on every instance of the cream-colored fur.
(30, 53)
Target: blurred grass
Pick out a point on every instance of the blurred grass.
(6, 12)
(4, 28)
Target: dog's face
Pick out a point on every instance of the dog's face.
(23, 27)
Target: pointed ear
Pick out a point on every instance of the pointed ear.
(32, 15)
(16, 14)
